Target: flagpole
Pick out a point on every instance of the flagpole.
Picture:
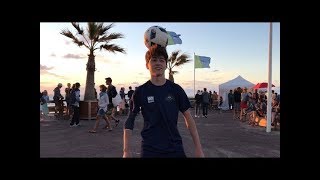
(194, 83)
(269, 100)
(194, 75)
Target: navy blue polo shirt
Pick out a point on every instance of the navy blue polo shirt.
(160, 106)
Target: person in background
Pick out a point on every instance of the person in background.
(205, 102)
(68, 91)
(130, 93)
(103, 108)
(237, 101)
(231, 100)
(76, 111)
(58, 101)
(244, 103)
(198, 102)
(45, 109)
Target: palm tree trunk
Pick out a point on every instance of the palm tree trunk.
(171, 76)
(91, 67)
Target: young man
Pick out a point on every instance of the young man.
(130, 93)
(58, 101)
(111, 108)
(160, 101)
(75, 100)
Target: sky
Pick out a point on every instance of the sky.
(234, 48)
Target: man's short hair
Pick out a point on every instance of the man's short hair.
(156, 51)
(77, 85)
(109, 79)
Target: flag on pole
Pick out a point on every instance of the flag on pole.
(201, 61)
(173, 38)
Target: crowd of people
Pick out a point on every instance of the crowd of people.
(110, 103)
(206, 101)
(247, 106)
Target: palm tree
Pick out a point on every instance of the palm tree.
(175, 60)
(96, 33)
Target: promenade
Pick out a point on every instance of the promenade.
(221, 137)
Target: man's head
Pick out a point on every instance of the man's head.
(156, 60)
(205, 89)
(230, 90)
(59, 85)
(256, 90)
(130, 87)
(77, 85)
(69, 85)
(108, 80)
(245, 89)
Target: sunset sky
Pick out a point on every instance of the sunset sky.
(235, 49)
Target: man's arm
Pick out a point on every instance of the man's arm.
(191, 125)
(126, 138)
(129, 125)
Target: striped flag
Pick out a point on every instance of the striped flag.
(201, 61)
(173, 38)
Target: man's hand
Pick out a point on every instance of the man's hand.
(199, 153)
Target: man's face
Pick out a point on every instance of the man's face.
(108, 82)
(157, 65)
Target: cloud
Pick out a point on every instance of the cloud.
(215, 70)
(53, 55)
(44, 70)
(120, 85)
(135, 83)
(73, 56)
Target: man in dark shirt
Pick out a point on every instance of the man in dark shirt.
(130, 93)
(237, 100)
(160, 101)
(198, 99)
(58, 101)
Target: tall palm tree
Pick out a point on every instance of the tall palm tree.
(175, 60)
(95, 34)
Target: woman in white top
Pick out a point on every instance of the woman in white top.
(103, 107)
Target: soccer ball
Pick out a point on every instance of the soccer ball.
(155, 35)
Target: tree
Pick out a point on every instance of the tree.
(175, 60)
(95, 34)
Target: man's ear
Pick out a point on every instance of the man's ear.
(147, 66)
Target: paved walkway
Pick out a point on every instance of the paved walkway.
(220, 137)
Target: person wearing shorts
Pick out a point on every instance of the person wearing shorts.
(103, 107)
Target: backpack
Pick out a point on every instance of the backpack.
(113, 92)
(73, 98)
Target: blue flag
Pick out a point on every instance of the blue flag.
(173, 38)
(201, 61)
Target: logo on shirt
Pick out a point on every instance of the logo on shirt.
(170, 98)
(150, 99)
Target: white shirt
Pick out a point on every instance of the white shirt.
(103, 102)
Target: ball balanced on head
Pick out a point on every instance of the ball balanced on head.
(155, 35)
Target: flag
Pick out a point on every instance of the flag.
(173, 38)
(201, 61)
